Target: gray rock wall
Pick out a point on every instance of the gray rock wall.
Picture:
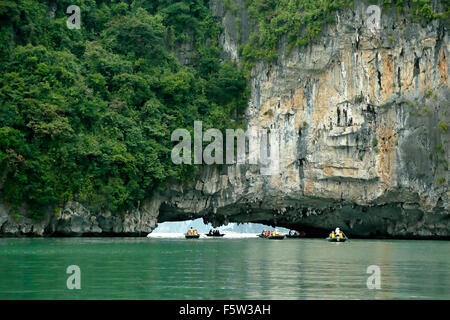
(360, 148)
(76, 220)
(358, 113)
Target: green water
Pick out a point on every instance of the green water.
(141, 268)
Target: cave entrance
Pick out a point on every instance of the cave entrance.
(176, 227)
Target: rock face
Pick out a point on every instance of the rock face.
(357, 114)
(75, 220)
(360, 148)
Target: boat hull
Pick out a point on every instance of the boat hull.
(275, 237)
(215, 235)
(336, 239)
(192, 236)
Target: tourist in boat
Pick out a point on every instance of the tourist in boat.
(265, 233)
(337, 233)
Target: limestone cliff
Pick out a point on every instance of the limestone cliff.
(358, 114)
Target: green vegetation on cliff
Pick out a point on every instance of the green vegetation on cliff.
(299, 20)
(302, 21)
(87, 114)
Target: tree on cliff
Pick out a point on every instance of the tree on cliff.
(87, 114)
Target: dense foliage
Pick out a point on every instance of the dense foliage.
(87, 114)
(420, 9)
(299, 20)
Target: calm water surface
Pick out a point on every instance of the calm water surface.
(142, 268)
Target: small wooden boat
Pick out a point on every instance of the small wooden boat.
(276, 237)
(215, 235)
(262, 235)
(296, 235)
(192, 234)
(337, 239)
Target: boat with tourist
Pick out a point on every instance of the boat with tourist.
(293, 234)
(214, 233)
(192, 234)
(264, 234)
(337, 236)
(276, 235)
